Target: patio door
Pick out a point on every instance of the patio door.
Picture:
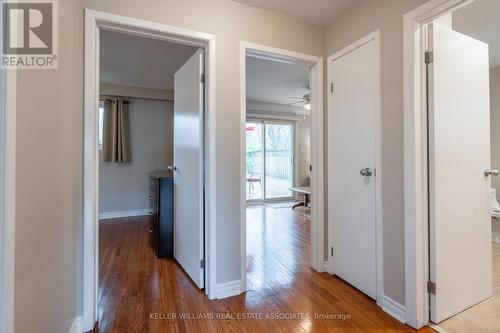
(269, 160)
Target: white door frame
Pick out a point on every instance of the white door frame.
(8, 97)
(317, 175)
(415, 158)
(374, 36)
(8, 198)
(94, 22)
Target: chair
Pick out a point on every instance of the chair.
(251, 179)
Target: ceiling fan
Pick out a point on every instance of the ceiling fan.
(304, 101)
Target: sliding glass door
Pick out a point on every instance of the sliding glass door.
(269, 160)
(255, 161)
(279, 160)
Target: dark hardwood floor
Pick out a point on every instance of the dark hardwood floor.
(140, 293)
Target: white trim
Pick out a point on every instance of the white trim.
(415, 158)
(9, 208)
(108, 89)
(393, 308)
(8, 196)
(296, 159)
(2, 192)
(124, 213)
(375, 36)
(274, 107)
(228, 289)
(76, 326)
(276, 116)
(317, 175)
(94, 21)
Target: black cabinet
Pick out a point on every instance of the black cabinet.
(161, 194)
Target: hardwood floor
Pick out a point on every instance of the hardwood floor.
(140, 293)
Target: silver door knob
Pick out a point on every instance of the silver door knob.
(491, 172)
(172, 167)
(367, 172)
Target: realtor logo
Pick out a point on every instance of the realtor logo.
(29, 34)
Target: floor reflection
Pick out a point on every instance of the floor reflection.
(278, 246)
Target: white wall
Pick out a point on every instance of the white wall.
(124, 186)
(49, 150)
(303, 158)
(357, 22)
(49, 147)
(49, 173)
(495, 125)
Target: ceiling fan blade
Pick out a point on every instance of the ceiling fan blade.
(298, 103)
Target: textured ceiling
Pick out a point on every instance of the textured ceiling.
(319, 12)
(275, 82)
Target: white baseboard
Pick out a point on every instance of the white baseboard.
(325, 266)
(393, 308)
(76, 327)
(124, 213)
(228, 289)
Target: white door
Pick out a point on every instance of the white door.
(459, 153)
(188, 161)
(353, 167)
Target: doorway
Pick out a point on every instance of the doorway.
(96, 22)
(463, 203)
(449, 211)
(269, 150)
(270, 157)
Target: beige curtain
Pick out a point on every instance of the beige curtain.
(116, 139)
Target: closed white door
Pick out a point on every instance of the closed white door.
(459, 153)
(188, 161)
(353, 167)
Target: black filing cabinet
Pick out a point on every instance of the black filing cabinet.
(161, 195)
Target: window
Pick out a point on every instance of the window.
(101, 124)
(269, 160)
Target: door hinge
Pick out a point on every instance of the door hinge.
(202, 263)
(331, 251)
(331, 87)
(431, 287)
(203, 78)
(429, 57)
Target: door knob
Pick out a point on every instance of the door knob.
(367, 172)
(491, 172)
(172, 168)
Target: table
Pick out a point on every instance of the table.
(306, 190)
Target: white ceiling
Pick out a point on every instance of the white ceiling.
(481, 20)
(274, 82)
(319, 12)
(140, 62)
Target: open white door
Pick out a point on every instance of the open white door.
(353, 168)
(459, 154)
(188, 168)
